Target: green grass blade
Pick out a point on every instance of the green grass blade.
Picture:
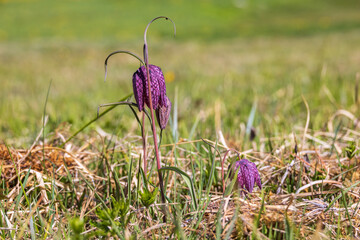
(251, 118)
(187, 180)
(212, 169)
(338, 197)
(289, 234)
(129, 178)
(230, 187)
(94, 120)
(232, 224)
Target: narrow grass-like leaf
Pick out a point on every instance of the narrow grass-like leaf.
(230, 187)
(193, 128)
(119, 189)
(23, 185)
(43, 126)
(347, 212)
(187, 180)
(251, 118)
(129, 178)
(232, 224)
(144, 179)
(212, 169)
(338, 197)
(175, 116)
(338, 232)
(289, 234)
(31, 224)
(262, 208)
(94, 120)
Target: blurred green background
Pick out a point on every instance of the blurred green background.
(232, 54)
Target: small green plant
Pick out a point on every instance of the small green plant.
(351, 150)
(77, 227)
(112, 219)
(148, 197)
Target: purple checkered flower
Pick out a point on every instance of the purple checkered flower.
(157, 84)
(163, 114)
(247, 175)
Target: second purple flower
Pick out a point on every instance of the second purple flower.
(247, 175)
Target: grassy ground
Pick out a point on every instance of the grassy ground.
(233, 65)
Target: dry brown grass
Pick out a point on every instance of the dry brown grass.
(319, 194)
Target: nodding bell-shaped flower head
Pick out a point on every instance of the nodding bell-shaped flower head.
(163, 114)
(157, 84)
(247, 175)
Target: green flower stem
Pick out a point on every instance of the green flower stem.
(222, 166)
(144, 141)
(157, 154)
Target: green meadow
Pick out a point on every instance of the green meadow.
(289, 70)
(269, 52)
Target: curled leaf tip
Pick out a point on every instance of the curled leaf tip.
(105, 73)
(166, 18)
(121, 51)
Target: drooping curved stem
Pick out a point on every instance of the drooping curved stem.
(222, 162)
(121, 51)
(157, 154)
(145, 41)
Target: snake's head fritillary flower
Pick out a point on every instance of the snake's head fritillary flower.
(157, 84)
(247, 175)
(163, 113)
